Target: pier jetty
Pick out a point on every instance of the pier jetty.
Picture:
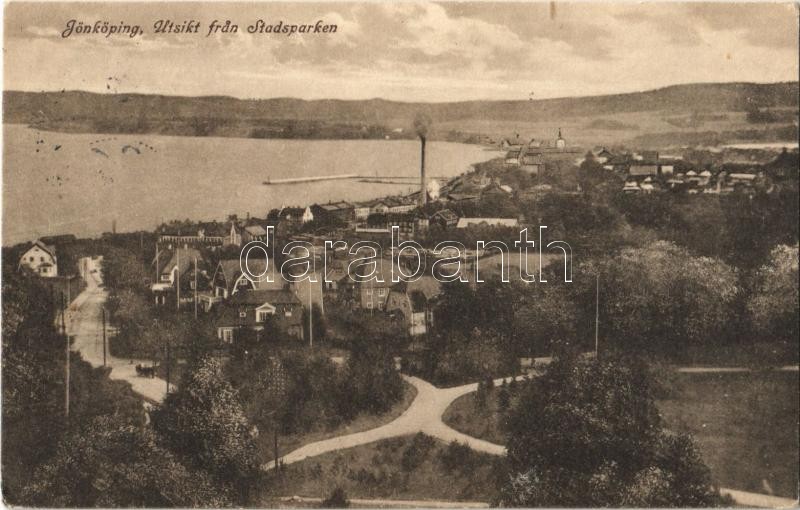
(382, 179)
(314, 178)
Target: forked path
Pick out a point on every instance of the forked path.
(423, 415)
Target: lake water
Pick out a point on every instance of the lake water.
(763, 145)
(57, 183)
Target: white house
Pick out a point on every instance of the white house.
(41, 259)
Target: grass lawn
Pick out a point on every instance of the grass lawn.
(485, 422)
(745, 425)
(361, 423)
(414, 467)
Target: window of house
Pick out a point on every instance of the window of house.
(191, 285)
(164, 277)
(288, 313)
(41, 259)
(381, 292)
(227, 335)
(369, 291)
(369, 305)
(380, 305)
(31, 259)
(242, 315)
(262, 316)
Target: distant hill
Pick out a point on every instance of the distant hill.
(287, 117)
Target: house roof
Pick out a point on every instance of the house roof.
(461, 197)
(168, 259)
(231, 269)
(255, 230)
(49, 248)
(287, 212)
(643, 170)
(334, 206)
(418, 301)
(261, 296)
(497, 222)
(337, 270)
(445, 214)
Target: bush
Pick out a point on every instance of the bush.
(417, 452)
(337, 499)
(456, 456)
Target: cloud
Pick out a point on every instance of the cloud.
(43, 31)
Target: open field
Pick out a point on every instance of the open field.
(416, 467)
(745, 424)
(620, 129)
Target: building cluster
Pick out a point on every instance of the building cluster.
(534, 156)
(651, 172)
(198, 264)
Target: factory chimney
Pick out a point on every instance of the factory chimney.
(422, 123)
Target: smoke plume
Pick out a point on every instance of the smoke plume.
(422, 124)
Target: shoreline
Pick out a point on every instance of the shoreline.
(242, 190)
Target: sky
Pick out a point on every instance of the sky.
(405, 51)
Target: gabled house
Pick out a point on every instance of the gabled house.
(228, 278)
(257, 310)
(532, 161)
(294, 216)
(603, 155)
(415, 302)
(445, 218)
(41, 259)
(175, 267)
(341, 211)
(374, 293)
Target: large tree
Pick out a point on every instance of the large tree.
(588, 433)
(204, 422)
(109, 463)
(773, 306)
(661, 298)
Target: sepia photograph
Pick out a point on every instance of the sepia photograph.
(413, 254)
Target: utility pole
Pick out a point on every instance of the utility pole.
(104, 336)
(195, 288)
(275, 439)
(597, 316)
(178, 278)
(66, 364)
(310, 318)
(168, 364)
